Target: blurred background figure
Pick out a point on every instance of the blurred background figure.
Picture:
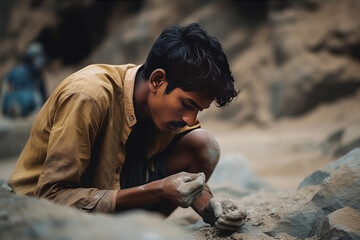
(24, 91)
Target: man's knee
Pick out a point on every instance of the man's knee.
(204, 149)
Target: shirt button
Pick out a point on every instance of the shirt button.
(118, 170)
(131, 118)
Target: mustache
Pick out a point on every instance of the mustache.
(178, 124)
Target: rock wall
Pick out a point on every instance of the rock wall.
(287, 56)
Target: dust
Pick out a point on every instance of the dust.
(228, 206)
(211, 233)
(191, 190)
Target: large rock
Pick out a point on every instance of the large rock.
(339, 190)
(24, 218)
(351, 159)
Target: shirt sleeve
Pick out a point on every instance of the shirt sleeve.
(75, 123)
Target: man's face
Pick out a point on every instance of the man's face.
(176, 109)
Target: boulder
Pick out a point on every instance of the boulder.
(341, 189)
(351, 159)
(24, 218)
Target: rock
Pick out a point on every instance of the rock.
(302, 223)
(233, 176)
(5, 186)
(25, 218)
(285, 236)
(342, 224)
(341, 150)
(339, 190)
(301, 45)
(247, 232)
(351, 159)
(333, 141)
(251, 233)
(316, 178)
(13, 135)
(335, 145)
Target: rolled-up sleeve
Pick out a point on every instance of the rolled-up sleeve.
(75, 122)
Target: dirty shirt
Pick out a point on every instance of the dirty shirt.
(76, 149)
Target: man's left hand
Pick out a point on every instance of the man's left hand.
(225, 214)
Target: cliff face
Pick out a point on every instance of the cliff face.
(287, 56)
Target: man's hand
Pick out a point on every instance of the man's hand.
(225, 214)
(183, 188)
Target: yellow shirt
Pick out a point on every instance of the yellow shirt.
(76, 148)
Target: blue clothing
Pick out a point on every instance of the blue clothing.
(24, 91)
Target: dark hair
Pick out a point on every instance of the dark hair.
(193, 61)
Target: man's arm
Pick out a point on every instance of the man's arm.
(181, 188)
(198, 151)
(75, 124)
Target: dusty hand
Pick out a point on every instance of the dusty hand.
(225, 214)
(183, 188)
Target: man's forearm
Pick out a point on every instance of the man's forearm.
(201, 203)
(138, 196)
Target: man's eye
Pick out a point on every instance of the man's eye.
(186, 105)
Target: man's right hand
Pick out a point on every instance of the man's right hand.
(183, 188)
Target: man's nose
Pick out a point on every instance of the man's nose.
(190, 118)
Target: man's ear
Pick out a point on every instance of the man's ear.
(156, 79)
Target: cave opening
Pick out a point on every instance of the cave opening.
(80, 29)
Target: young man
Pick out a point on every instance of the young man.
(118, 137)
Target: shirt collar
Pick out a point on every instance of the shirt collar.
(129, 84)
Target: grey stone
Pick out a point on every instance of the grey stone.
(333, 141)
(302, 223)
(283, 236)
(4, 185)
(342, 224)
(316, 178)
(339, 190)
(248, 231)
(233, 175)
(352, 159)
(341, 150)
(25, 218)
